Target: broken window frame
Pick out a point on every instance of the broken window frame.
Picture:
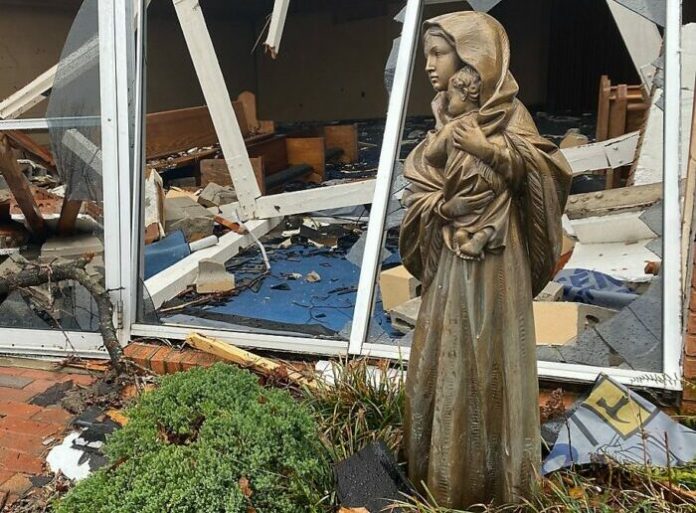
(264, 208)
(672, 333)
(115, 45)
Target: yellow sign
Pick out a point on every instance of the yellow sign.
(617, 408)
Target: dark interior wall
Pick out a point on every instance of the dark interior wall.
(329, 67)
(31, 40)
(584, 44)
(172, 81)
(331, 62)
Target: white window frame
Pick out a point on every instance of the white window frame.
(122, 231)
(114, 48)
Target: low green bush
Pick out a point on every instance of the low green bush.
(209, 441)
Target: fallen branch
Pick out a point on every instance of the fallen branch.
(35, 275)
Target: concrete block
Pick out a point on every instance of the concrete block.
(185, 214)
(215, 195)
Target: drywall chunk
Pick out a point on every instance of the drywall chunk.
(213, 277)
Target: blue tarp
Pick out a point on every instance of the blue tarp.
(165, 253)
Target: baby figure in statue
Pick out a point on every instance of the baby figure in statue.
(482, 225)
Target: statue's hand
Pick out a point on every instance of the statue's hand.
(469, 137)
(465, 205)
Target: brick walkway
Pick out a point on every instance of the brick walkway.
(28, 430)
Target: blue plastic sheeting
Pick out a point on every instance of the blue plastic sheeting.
(164, 253)
(594, 288)
(328, 302)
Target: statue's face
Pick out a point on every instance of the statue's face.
(441, 61)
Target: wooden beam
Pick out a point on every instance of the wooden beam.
(314, 200)
(25, 142)
(617, 127)
(19, 186)
(217, 98)
(275, 30)
(688, 224)
(622, 199)
(177, 278)
(68, 217)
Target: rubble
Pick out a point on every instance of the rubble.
(214, 195)
(185, 214)
(213, 278)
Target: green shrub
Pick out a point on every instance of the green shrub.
(209, 441)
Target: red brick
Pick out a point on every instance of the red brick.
(17, 409)
(206, 359)
(690, 345)
(20, 462)
(19, 484)
(22, 443)
(53, 415)
(39, 386)
(157, 362)
(173, 363)
(15, 381)
(5, 475)
(690, 368)
(12, 394)
(688, 408)
(29, 427)
(189, 359)
(52, 376)
(140, 353)
(12, 371)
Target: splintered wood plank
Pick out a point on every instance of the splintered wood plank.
(344, 137)
(68, 217)
(623, 199)
(245, 359)
(308, 150)
(603, 108)
(25, 142)
(19, 186)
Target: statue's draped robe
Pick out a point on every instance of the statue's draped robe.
(472, 418)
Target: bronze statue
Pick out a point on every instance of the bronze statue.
(482, 232)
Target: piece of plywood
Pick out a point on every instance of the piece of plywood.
(610, 154)
(177, 278)
(308, 150)
(21, 191)
(344, 137)
(559, 323)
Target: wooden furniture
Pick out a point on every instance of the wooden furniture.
(621, 109)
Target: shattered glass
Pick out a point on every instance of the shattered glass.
(74, 109)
